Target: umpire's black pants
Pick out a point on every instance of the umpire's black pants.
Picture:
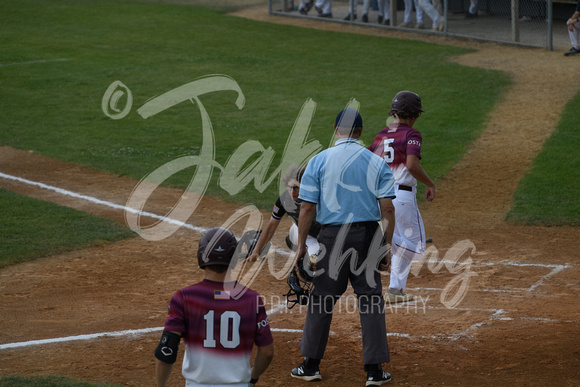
(339, 267)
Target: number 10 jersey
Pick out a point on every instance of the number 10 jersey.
(218, 331)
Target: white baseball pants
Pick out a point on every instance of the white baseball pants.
(408, 238)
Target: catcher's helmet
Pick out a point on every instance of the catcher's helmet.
(300, 285)
(216, 247)
(408, 102)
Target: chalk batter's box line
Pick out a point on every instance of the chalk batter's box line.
(555, 270)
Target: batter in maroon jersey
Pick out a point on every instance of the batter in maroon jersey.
(219, 327)
(400, 145)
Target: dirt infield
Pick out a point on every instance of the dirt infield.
(518, 324)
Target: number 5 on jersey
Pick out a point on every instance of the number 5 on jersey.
(388, 150)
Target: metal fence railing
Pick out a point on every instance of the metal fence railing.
(533, 23)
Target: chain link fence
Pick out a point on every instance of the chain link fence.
(533, 23)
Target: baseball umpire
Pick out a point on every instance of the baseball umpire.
(400, 145)
(219, 332)
(347, 189)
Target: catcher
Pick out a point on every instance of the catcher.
(289, 204)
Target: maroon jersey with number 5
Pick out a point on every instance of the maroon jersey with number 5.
(394, 144)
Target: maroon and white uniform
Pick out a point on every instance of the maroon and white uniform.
(218, 332)
(394, 144)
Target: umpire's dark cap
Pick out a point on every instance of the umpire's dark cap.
(349, 118)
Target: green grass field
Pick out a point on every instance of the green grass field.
(32, 228)
(549, 193)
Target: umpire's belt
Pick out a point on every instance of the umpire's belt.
(406, 188)
(372, 223)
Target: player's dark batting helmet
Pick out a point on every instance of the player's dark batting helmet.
(216, 247)
(408, 102)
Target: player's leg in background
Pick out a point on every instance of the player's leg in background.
(438, 6)
(326, 6)
(408, 18)
(387, 11)
(383, 11)
(305, 6)
(408, 241)
(365, 10)
(418, 14)
(574, 35)
(473, 7)
(431, 11)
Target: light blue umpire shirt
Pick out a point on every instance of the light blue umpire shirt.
(345, 182)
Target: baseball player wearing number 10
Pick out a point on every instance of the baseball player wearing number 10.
(219, 330)
(400, 145)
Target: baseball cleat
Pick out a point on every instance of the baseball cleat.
(378, 379)
(393, 298)
(310, 375)
(573, 51)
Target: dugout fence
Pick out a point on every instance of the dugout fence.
(532, 23)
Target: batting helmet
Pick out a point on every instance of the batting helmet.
(216, 247)
(408, 102)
